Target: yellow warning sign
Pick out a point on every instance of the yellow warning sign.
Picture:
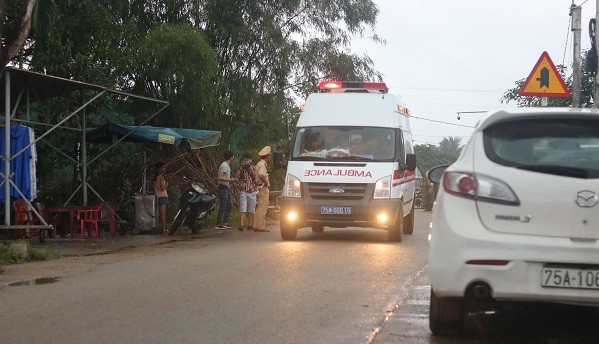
(544, 80)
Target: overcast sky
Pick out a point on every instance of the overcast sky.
(445, 57)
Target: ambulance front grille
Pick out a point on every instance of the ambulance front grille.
(331, 191)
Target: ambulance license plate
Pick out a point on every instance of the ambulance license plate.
(330, 210)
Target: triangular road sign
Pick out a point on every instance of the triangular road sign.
(544, 80)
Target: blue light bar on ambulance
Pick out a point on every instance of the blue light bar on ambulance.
(329, 85)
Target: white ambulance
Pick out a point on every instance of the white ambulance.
(351, 163)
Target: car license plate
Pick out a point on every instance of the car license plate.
(330, 210)
(570, 278)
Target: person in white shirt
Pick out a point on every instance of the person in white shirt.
(224, 192)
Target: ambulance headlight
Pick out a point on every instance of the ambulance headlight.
(382, 189)
(292, 186)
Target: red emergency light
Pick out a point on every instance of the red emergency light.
(329, 85)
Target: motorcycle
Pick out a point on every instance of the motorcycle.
(418, 198)
(195, 205)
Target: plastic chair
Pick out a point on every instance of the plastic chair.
(91, 217)
(107, 213)
(23, 216)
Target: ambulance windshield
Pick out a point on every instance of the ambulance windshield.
(344, 144)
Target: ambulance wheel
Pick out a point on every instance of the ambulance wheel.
(395, 230)
(288, 232)
(317, 229)
(408, 222)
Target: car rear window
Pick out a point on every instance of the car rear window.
(557, 145)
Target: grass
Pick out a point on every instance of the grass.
(10, 255)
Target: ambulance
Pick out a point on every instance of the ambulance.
(352, 162)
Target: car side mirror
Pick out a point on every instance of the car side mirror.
(436, 173)
(278, 160)
(410, 164)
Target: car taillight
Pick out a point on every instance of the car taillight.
(459, 183)
(479, 187)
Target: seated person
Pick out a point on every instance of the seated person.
(376, 148)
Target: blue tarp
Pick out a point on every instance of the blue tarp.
(195, 137)
(21, 164)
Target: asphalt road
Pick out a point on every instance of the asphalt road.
(340, 286)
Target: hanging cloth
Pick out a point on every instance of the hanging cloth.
(20, 165)
(32, 165)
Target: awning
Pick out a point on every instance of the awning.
(195, 137)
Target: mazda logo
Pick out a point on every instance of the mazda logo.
(586, 199)
(336, 191)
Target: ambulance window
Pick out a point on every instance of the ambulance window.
(345, 143)
(400, 146)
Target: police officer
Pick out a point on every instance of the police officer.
(263, 184)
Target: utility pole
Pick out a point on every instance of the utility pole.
(596, 94)
(576, 76)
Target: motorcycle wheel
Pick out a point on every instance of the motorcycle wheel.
(179, 218)
(197, 226)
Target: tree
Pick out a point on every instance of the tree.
(429, 156)
(18, 19)
(270, 52)
(220, 64)
(451, 145)
(175, 62)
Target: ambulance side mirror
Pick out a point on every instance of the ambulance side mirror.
(278, 160)
(410, 164)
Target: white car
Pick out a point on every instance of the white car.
(516, 217)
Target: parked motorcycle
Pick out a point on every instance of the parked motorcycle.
(195, 205)
(418, 198)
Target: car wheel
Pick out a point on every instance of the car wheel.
(408, 222)
(446, 316)
(288, 232)
(317, 229)
(395, 230)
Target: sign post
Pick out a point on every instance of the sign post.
(544, 81)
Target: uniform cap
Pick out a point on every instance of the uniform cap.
(264, 151)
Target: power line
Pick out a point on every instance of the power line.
(446, 89)
(566, 47)
(447, 104)
(432, 120)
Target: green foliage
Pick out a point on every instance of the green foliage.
(45, 254)
(429, 156)
(451, 145)
(9, 255)
(222, 65)
(175, 62)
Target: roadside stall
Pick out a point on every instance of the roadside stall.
(145, 203)
(22, 89)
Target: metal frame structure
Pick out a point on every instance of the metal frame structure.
(34, 87)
